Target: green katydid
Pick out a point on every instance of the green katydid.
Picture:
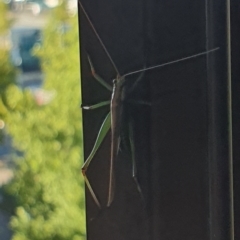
(113, 119)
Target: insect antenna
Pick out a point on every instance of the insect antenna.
(171, 62)
(99, 38)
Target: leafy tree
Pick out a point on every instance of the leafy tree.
(7, 73)
(47, 184)
(4, 22)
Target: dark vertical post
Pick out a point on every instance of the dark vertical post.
(235, 42)
(220, 122)
(183, 140)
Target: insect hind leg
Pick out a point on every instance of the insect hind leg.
(101, 135)
(134, 168)
(84, 171)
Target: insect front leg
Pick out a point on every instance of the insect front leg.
(136, 86)
(97, 77)
(101, 104)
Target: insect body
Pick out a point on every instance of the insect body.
(113, 118)
(116, 112)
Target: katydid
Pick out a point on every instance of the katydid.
(113, 118)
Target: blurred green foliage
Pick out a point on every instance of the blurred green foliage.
(4, 23)
(7, 73)
(48, 185)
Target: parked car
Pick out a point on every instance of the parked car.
(34, 6)
(23, 41)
